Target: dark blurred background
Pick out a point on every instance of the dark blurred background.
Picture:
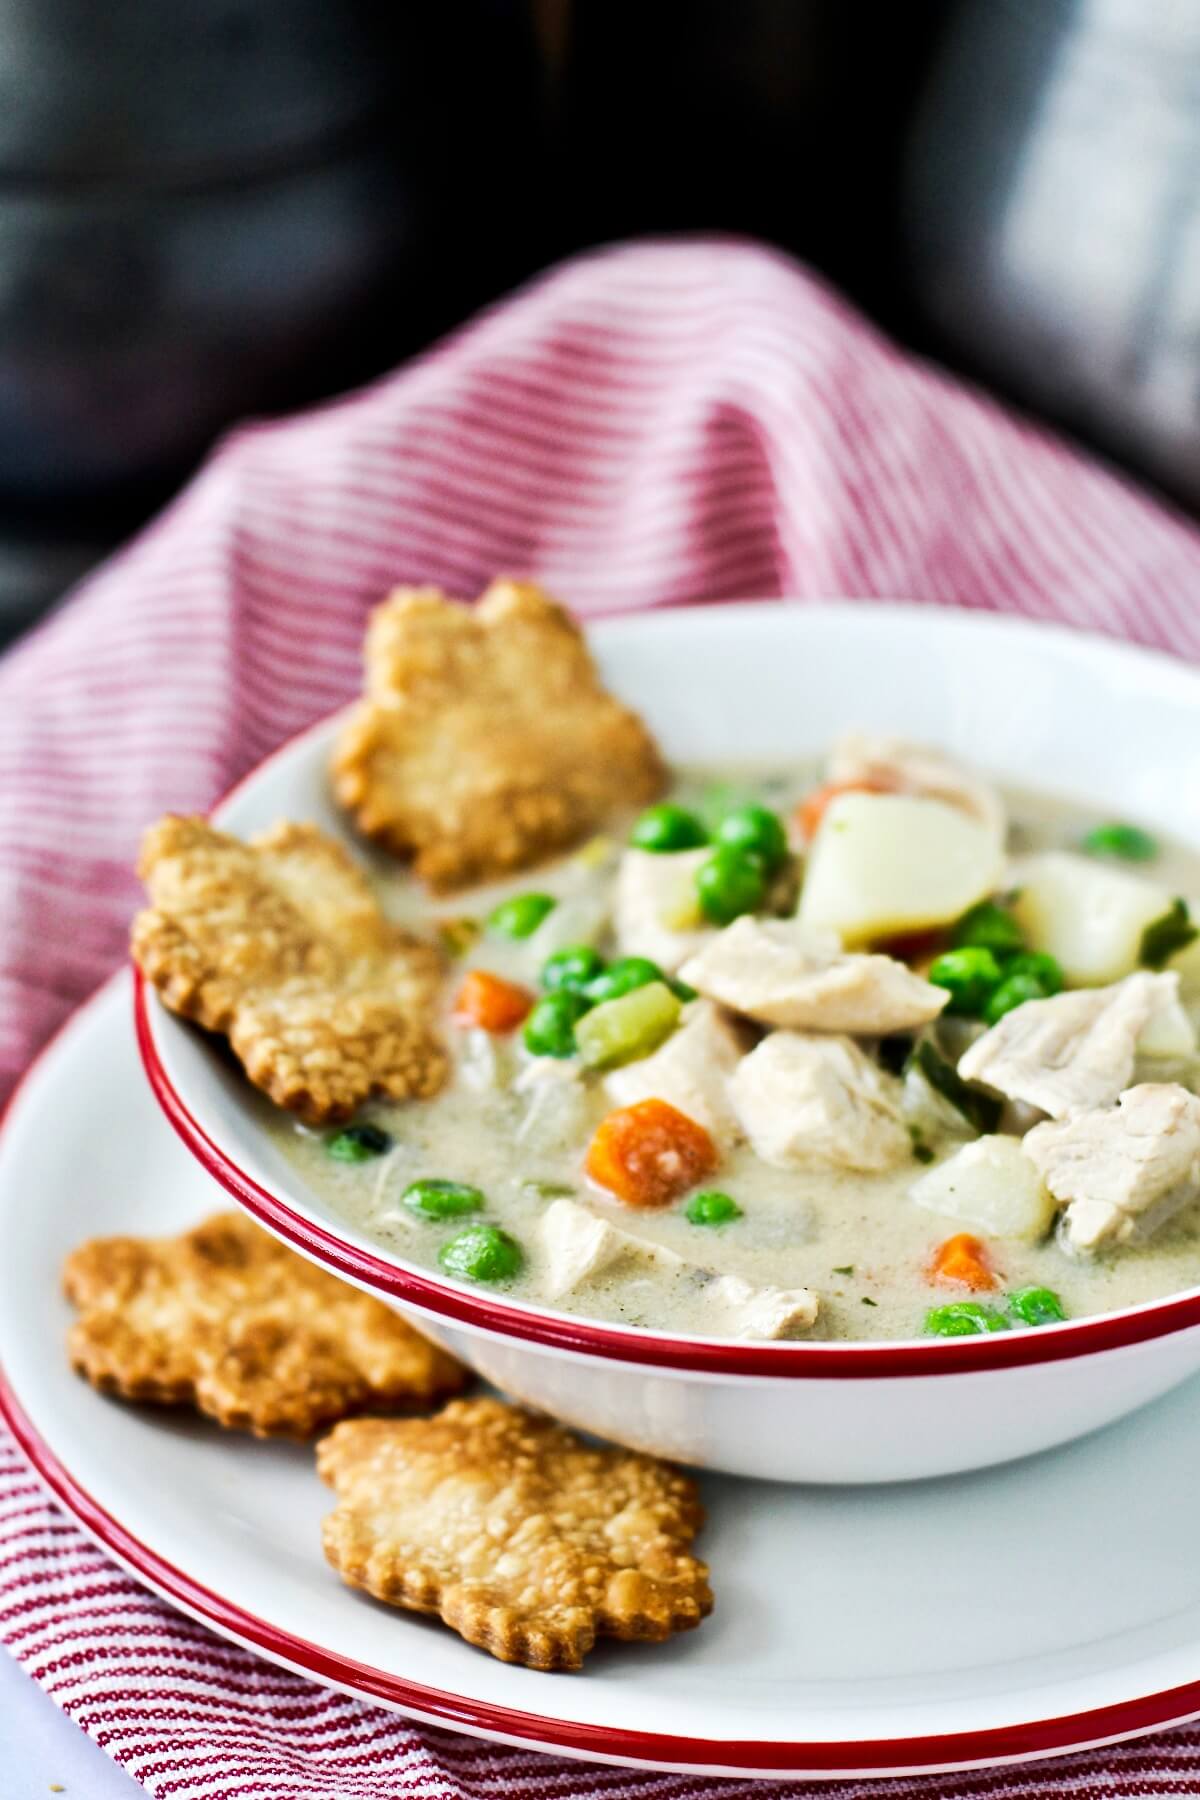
(217, 208)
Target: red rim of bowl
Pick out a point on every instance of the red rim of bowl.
(790, 1361)
(894, 1756)
(730, 1356)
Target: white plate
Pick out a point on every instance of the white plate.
(1044, 1606)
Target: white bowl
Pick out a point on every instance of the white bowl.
(1039, 706)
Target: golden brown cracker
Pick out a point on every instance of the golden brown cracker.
(485, 739)
(230, 1320)
(280, 944)
(525, 1540)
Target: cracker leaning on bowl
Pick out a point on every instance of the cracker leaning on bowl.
(485, 740)
(227, 1319)
(281, 945)
(525, 1540)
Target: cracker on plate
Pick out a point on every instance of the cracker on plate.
(485, 739)
(230, 1320)
(524, 1539)
(280, 944)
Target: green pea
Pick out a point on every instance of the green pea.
(988, 927)
(482, 1253)
(963, 1318)
(550, 1027)
(432, 1198)
(711, 1208)
(1046, 971)
(621, 977)
(757, 829)
(357, 1143)
(970, 975)
(520, 916)
(730, 883)
(1012, 992)
(1128, 843)
(571, 968)
(1036, 1306)
(665, 828)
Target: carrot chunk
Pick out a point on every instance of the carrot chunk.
(649, 1154)
(489, 1001)
(811, 810)
(963, 1259)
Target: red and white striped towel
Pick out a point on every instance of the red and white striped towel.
(645, 426)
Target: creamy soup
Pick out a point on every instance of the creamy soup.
(794, 1215)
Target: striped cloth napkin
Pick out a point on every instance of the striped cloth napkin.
(646, 426)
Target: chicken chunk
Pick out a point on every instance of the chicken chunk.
(888, 762)
(776, 972)
(690, 1071)
(804, 1099)
(1122, 1170)
(1074, 1051)
(655, 908)
(577, 1245)
(767, 1312)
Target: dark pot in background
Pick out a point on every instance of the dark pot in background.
(1052, 217)
(778, 118)
(224, 207)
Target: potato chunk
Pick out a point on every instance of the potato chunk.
(992, 1185)
(887, 863)
(1088, 916)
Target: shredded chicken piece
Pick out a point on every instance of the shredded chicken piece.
(577, 1245)
(1073, 1051)
(806, 1099)
(655, 908)
(767, 1312)
(916, 769)
(690, 1071)
(776, 972)
(1122, 1170)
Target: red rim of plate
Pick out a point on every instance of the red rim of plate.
(894, 1756)
(795, 1361)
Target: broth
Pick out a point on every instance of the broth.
(856, 1240)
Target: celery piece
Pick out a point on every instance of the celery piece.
(631, 1026)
